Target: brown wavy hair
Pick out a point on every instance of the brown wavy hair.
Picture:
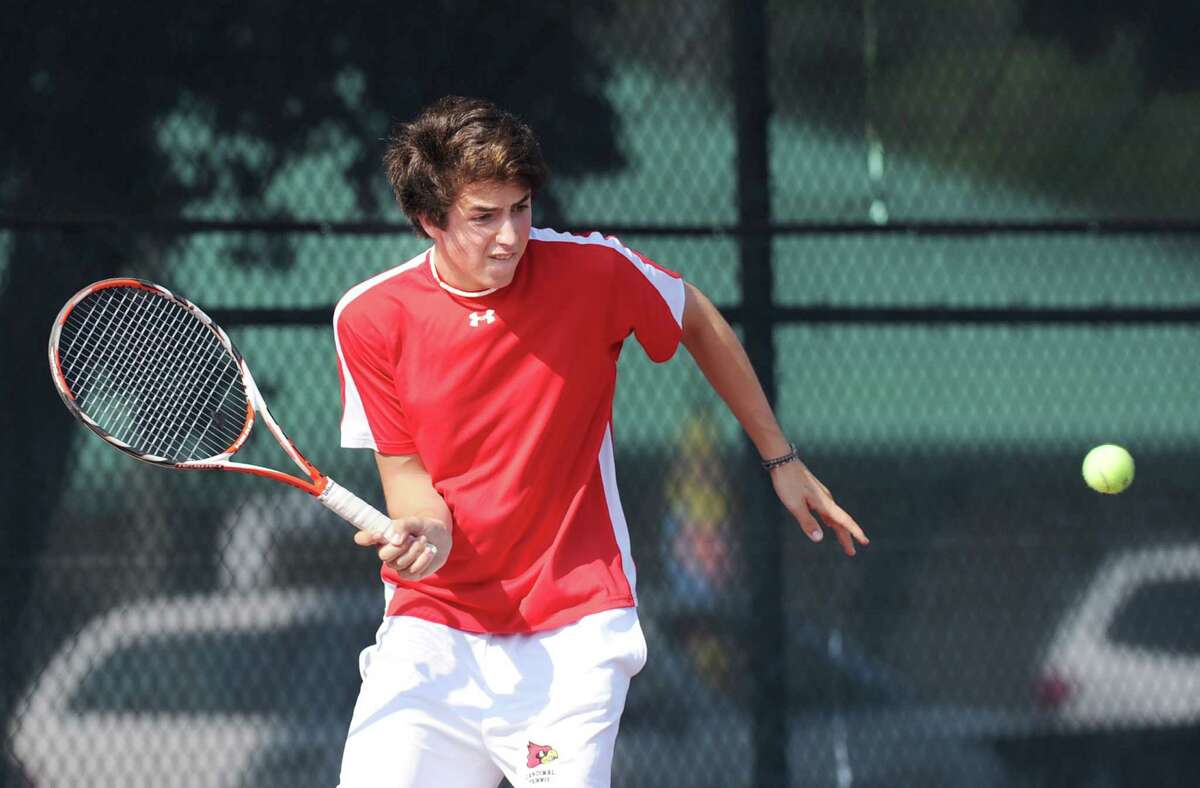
(453, 142)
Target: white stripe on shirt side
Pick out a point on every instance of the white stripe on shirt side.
(608, 474)
(355, 429)
(669, 287)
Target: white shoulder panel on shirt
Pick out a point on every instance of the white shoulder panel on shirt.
(355, 429)
(669, 287)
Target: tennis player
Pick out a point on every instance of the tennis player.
(482, 373)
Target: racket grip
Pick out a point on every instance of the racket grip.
(353, 509)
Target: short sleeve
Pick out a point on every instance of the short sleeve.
(647, 301)
(372, 413)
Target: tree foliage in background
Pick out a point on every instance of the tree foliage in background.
(1164, 33)
(1038, 107)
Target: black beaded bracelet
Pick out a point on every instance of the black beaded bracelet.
(775, 462)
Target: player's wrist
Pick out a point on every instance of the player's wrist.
(790, 456)
(769, 439)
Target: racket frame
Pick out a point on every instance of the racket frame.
(317, 483)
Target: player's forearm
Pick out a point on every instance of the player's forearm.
(418, 503)
(409, 491)
(721, 358)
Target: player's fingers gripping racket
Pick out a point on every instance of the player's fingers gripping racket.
(154, 376)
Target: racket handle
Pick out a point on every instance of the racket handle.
(353, 509)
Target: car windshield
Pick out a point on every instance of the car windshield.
(1160, 616)
(224, 672)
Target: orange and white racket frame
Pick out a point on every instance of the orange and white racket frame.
(338, 499)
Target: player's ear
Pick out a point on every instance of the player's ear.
(431, 227)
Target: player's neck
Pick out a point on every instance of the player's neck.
(447, 279)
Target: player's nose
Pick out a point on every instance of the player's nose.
(506, 236)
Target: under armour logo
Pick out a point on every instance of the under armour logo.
(487, 317)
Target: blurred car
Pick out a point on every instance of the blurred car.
(1128, 654)
(191, 691)
(1118, 690)
(242, 689)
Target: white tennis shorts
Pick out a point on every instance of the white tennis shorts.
(440, 707)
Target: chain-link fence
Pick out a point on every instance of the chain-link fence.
(958, 239)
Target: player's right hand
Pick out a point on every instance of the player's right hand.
(414, 547)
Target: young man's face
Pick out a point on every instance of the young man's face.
(485, 235)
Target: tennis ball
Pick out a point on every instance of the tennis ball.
(1108, 469)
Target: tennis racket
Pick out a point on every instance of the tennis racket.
(154, 376)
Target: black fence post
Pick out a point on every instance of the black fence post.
(767, 658)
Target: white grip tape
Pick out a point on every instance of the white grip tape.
(353, 509)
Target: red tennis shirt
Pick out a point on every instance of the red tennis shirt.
(507, 398)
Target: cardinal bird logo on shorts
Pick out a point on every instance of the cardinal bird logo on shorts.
(540, 755)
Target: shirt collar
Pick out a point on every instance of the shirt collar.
(455, 290)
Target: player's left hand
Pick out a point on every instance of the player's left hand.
(414, 547)
(803, 494)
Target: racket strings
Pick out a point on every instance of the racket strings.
(100, 392)
(151, 374)
(224, 383)
(155, 429)
(145, 418)
(103, 390)
(183, 360)
(110, 399)
(156, 380)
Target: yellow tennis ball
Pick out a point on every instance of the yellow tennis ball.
(1108, 469)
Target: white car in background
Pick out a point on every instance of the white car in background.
(254, 689)
(1128, 654)
(193, 690)
(1118, 690)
